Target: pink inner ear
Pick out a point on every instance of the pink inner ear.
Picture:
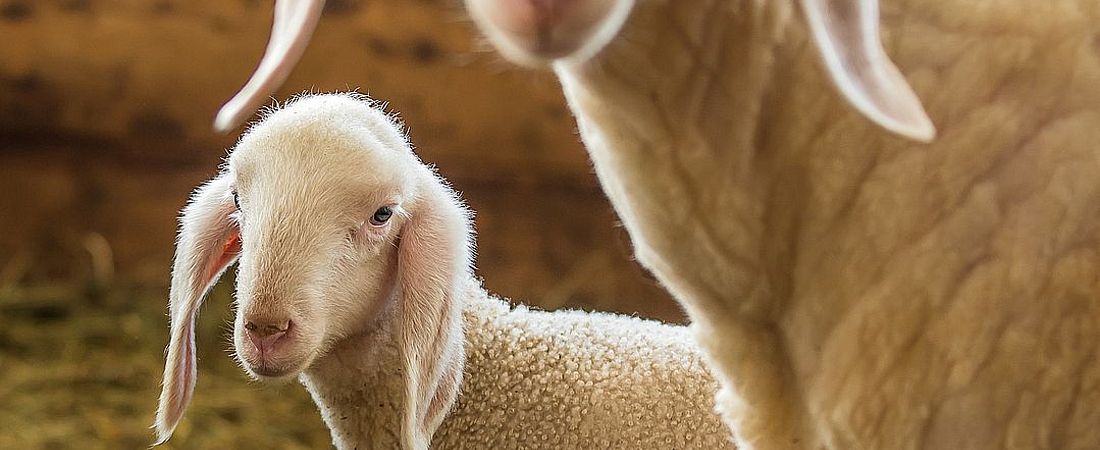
(229, 252)
(186, 372)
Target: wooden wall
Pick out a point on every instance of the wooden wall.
(105, 112)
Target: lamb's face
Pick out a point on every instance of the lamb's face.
(536, 32)
(319, 211)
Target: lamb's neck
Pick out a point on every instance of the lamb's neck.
(673, 145)
(358, 387)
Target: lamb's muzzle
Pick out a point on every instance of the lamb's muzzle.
(267, 340)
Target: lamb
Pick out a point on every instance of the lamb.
(355, 276)
(852, 289)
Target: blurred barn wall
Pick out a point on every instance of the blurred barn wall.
(105, 112)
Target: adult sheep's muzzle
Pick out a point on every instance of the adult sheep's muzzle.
(535, 32)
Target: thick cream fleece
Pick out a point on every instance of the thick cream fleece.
(852, 289)
(534, 380)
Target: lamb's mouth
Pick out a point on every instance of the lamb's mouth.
(275, 370)
(265, 371)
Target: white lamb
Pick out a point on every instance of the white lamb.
(354, 276)
(852, 289)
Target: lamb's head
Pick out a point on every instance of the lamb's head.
(336, 226)
(319, 194)
(571, 32)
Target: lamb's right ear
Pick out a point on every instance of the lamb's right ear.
(846, 33)
(209, 241)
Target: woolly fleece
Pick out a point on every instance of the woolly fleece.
(535, 380)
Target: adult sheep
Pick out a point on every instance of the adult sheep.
(853, 289)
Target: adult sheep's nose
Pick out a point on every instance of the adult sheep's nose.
(263, 334)
(538, 31)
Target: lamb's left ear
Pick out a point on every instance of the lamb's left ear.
(847, 34)
(294, 24)
(433, 263)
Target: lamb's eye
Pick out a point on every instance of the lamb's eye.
(381, 216)
(236, 200)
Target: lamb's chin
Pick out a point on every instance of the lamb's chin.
(266, 374)
(276, 372)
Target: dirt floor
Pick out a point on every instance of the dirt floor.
(80, 368)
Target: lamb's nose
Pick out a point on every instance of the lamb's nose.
(264, 334)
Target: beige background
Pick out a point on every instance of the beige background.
(105, 111)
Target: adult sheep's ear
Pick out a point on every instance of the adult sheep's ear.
(433, 263)
(209, 241)
(847, 34)
(294, 23)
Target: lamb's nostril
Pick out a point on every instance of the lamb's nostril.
(266, 330)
